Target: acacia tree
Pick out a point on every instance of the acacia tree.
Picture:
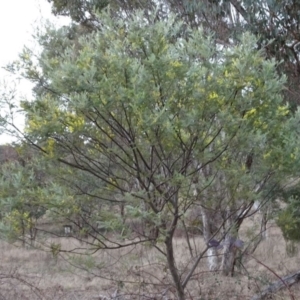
(166, 121)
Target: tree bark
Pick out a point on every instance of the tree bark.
(213, 264)
(170, 251)
(173, 269)
(229, 256)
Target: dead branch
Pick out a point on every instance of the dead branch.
(286, 281)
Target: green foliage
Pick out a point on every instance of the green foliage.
(291, 248)
(55, 249)
(288, 219)
(77, 9)
(21, 197)
(142, 109)
(147, 118)
(274, 22)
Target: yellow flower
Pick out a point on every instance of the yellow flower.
(250, 113)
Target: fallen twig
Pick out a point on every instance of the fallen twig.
(286, 281)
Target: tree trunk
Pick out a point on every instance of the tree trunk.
(170, 253)
(263, 226)
(172, 267)
(229, 256)
(23, 233)
(212, 260)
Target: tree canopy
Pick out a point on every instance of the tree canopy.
(151, 116)
(274, 22)
(164, 120)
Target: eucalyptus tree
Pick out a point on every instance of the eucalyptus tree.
(274, 22)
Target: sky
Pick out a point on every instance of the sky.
(18, 20)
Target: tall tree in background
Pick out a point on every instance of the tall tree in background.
(276, 23)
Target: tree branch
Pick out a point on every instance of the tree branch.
(286, 281)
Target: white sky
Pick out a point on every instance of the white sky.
(18, 19)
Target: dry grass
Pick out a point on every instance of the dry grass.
(137, 272)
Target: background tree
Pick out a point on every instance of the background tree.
(22, 181)
(275, 22)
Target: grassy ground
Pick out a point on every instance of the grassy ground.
(138, 272)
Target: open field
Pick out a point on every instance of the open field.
(138, 272)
